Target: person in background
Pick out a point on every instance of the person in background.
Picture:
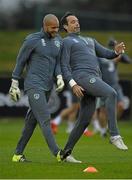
(69, 114)
(110, 76)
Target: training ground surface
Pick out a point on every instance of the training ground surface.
(93, 151)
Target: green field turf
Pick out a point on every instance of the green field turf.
(95, 151)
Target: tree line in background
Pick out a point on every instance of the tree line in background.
(93, 14)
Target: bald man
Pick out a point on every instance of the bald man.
(40, 54)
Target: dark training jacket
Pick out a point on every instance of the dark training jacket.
(40, 54)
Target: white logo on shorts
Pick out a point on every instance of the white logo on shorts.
(92, 80)
(36, 96)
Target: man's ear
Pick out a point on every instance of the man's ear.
(65, 27)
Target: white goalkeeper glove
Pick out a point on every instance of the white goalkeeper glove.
(60, 83)
(14, 91)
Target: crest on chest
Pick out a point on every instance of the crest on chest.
(57, 43)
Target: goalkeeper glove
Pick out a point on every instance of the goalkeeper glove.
(14, 91)
(60, 83)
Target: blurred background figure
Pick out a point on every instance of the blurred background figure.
(69, 114)
(110, 75)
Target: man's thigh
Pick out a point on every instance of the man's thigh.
(30, 118)
(95, 86)
(38, 103)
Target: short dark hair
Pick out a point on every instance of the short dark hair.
(64, 19)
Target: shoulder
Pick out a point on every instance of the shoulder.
(36, 35)
(68, 40)
(58, 37)
(90, 39)
(32, 39)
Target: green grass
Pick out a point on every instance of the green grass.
(95, 151)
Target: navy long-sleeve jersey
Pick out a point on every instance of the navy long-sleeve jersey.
(80, 56)
(40, 54)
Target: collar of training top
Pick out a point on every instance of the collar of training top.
(74, 34)
(45, 34)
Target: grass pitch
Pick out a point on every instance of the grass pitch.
(93, 151)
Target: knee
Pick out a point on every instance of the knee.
(31, 125)
(30, 121)
(45, 121)
(113, 93)
(86, 123)
(34, 123)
